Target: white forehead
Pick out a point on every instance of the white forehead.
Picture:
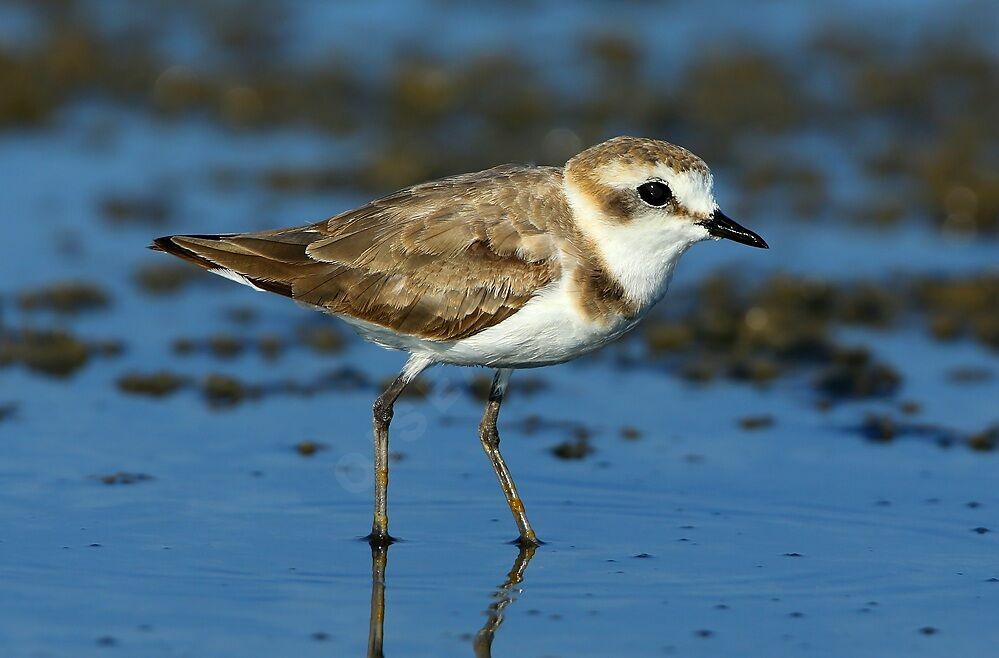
(691, 187)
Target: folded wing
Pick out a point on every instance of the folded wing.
(441, 261)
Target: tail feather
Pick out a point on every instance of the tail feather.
(167, 245)
(215, 254)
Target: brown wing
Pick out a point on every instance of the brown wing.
(442, 260)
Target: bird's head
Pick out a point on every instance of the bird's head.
(653, 184)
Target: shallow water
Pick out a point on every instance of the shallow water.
(682, 533)
(696, 538)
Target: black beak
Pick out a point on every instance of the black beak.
(721, 226)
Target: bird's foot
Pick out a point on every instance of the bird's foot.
(525, 542)
(379, 539)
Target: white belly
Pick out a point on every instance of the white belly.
(549, 329)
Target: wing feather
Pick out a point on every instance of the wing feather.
(442, 260)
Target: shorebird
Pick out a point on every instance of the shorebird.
(510, 267)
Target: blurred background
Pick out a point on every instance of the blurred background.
(799, 445)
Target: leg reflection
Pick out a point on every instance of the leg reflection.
(376, 623)
(503, 596)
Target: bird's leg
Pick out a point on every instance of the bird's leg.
(382, 412)
(490, 443)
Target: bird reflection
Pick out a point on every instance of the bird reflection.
(503, 596)
(376, 622)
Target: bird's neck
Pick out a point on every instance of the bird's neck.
(639, 256)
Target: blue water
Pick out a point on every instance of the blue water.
(697, 539)
(239, 545)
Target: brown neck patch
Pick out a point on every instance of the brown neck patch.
(598, 295)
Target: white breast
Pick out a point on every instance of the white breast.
(548, 329)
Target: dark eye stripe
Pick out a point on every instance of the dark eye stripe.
(655, 193)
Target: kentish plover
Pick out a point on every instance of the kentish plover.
(511, 267)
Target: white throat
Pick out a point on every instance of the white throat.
(641, 254)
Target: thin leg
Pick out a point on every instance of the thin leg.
(490, 443)
(382, 411)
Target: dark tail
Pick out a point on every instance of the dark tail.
(166, 244)
(220, 252)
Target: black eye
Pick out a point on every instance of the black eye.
(655, 193)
